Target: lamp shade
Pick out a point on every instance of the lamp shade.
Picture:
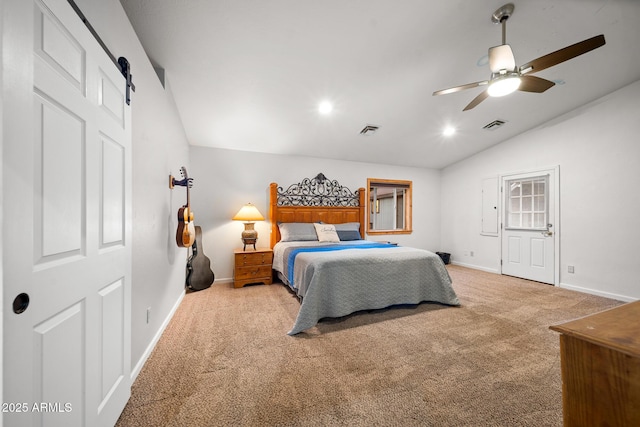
(248, 213)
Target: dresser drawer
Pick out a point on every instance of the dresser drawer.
(250, 272)
(258, 258)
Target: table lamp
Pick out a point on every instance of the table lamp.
(249, 213)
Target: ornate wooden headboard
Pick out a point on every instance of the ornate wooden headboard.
(314, 200)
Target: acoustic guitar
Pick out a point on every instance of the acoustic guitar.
(199, 273)
(185, 234)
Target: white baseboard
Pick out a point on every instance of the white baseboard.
(561, 285)
(475, 267)
(138, 367)
(596, 292)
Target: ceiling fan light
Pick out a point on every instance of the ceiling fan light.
(504, 86)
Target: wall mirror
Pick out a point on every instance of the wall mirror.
(389, 206)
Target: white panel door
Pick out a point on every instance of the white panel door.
(67, 257)
(528, 226)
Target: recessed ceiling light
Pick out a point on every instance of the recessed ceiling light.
(325, 107)
(448, 131)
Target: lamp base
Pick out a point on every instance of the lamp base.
(249, 242)
(249, 236)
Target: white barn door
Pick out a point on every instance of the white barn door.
(67, 210)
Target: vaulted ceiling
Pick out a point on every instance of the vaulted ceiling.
(250, 74)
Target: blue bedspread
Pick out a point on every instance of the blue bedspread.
(293, 252)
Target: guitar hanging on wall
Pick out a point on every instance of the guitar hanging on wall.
(199, 273)
(186, 233)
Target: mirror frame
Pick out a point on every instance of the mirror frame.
(408, 205)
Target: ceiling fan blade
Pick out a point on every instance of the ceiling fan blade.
(501, 58)
(459, 88)
(477, 100)
(562, 55)
(534, 84)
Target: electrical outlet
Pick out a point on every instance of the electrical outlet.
(471, 253)
(148, 314)
(570, 269)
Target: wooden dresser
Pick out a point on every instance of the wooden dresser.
(600, 357)
(252, 267)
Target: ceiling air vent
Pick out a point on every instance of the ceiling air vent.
(494, 125)
(369, 130)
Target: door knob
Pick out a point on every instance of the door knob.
(547, 233)
(20, 303)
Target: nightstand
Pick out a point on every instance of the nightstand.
(252, 267)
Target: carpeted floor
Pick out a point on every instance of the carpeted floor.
(226, 360)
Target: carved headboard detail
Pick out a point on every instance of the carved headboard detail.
(318, 191)
(313, 200)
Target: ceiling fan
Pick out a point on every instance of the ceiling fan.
(507, 77)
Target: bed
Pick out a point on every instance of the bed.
(320, 253)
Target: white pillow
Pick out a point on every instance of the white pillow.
(326, 232)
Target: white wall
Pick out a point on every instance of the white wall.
(159, 148)
(598, 151)
(227, 179)
(1, 205)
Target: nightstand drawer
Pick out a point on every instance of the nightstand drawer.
(258, 258)
(250, 272)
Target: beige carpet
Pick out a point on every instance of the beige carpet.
(225, 360)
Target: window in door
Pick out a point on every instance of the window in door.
(527, 203)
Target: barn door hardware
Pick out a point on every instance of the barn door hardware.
(121, 63)
(125, 68)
